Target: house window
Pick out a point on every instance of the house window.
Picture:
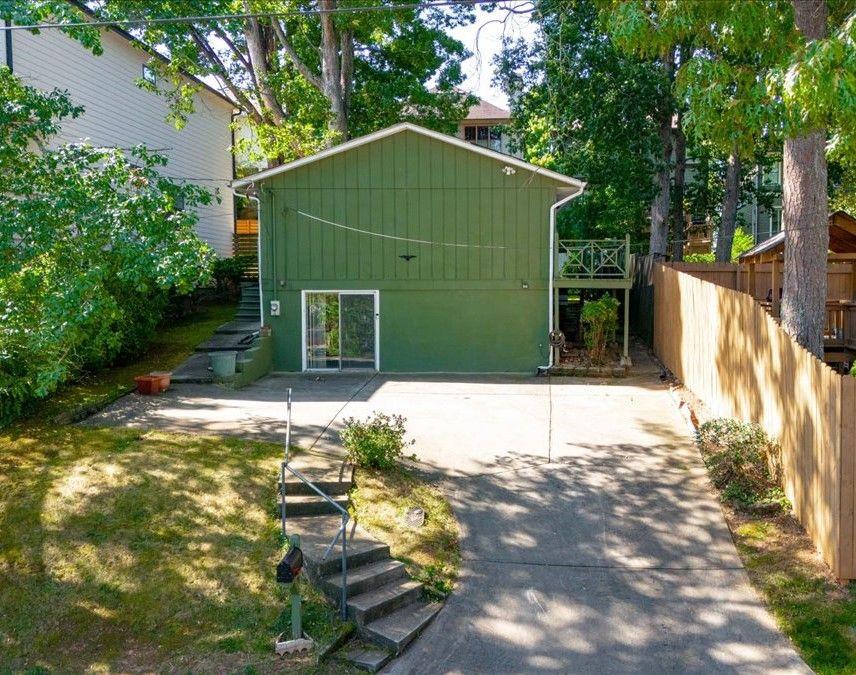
(776, 220)
(485, 136)
(149, 74)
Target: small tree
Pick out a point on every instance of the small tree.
(91, 242)
(600, 320)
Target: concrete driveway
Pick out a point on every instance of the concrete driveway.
(591, 538)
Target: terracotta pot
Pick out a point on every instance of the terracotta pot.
(148, 385)
(164, 378)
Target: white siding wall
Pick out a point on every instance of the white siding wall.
(118, 113)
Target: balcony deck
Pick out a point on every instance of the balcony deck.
(593, 263)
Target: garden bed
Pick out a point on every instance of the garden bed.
(576, 361)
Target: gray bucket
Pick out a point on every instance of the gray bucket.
(223, 363)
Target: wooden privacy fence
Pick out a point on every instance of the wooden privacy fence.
(840, 280)
(730, 352)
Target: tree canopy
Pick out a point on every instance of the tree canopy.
(302, 80)
(582, 107)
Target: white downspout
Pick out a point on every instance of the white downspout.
(258, 253)
(553, 209)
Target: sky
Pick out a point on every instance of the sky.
(478, 69)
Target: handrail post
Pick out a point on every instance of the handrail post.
(287, 425)
(344, 567)
(282, 495)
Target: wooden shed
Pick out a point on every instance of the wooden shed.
(840, 331)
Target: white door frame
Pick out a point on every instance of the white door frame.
(303, 346)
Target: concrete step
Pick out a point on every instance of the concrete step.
(367, 656)
(330, 487)
(366, 577)
(247, 316)
(366, 607)
(239, 327)
(316, 534)
(313, 505)
(397, 630)
(196, 369)
(224, 343)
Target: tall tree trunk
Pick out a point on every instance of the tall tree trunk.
(658, 243)
(725, 237)
(804, 214)
(679, 229)
(331, 71)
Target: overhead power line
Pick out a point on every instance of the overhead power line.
(131, 23)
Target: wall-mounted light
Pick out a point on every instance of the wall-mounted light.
(524, 284)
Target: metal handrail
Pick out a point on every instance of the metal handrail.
(342, 532)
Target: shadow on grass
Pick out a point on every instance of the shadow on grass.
(129, 550)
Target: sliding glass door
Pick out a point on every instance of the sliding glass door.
(340, 330)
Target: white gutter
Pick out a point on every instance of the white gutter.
(553, 209)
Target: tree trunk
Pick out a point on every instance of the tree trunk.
(331, 72)
(728, 222)
(658, 243)
(805, 213)
(679, 229)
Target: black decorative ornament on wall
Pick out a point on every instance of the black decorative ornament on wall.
(407, 257)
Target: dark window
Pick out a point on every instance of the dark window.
(149, 74)
(482, 133)
(469, 133)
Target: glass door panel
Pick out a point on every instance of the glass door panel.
(357, 316)
(322, 331)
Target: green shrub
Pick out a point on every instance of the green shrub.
(228, 272)
(92, 242)
(599, 319)
(375, 443)
(743, 462)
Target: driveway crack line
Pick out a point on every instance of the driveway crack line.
(339, 411)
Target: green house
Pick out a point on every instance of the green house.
(408, 250)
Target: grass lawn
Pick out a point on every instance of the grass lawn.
(380, 500)
(812, 609)
(127, 550)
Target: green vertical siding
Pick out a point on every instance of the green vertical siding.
(451, 308)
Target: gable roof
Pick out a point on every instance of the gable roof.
(842, 238)
(136, 42)
(508, 160)
(485, 110)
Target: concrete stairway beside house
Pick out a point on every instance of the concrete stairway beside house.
(236, 335)
(387, 606)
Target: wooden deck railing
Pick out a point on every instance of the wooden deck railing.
(593, 258)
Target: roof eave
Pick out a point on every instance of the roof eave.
(408, 126)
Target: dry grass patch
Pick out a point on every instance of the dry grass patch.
(380, 501)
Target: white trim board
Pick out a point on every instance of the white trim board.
(407, 126)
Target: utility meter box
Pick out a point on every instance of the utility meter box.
(274, 307)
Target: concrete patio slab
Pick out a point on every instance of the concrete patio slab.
(591, 541)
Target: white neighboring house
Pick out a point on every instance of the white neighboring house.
(118, 113)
